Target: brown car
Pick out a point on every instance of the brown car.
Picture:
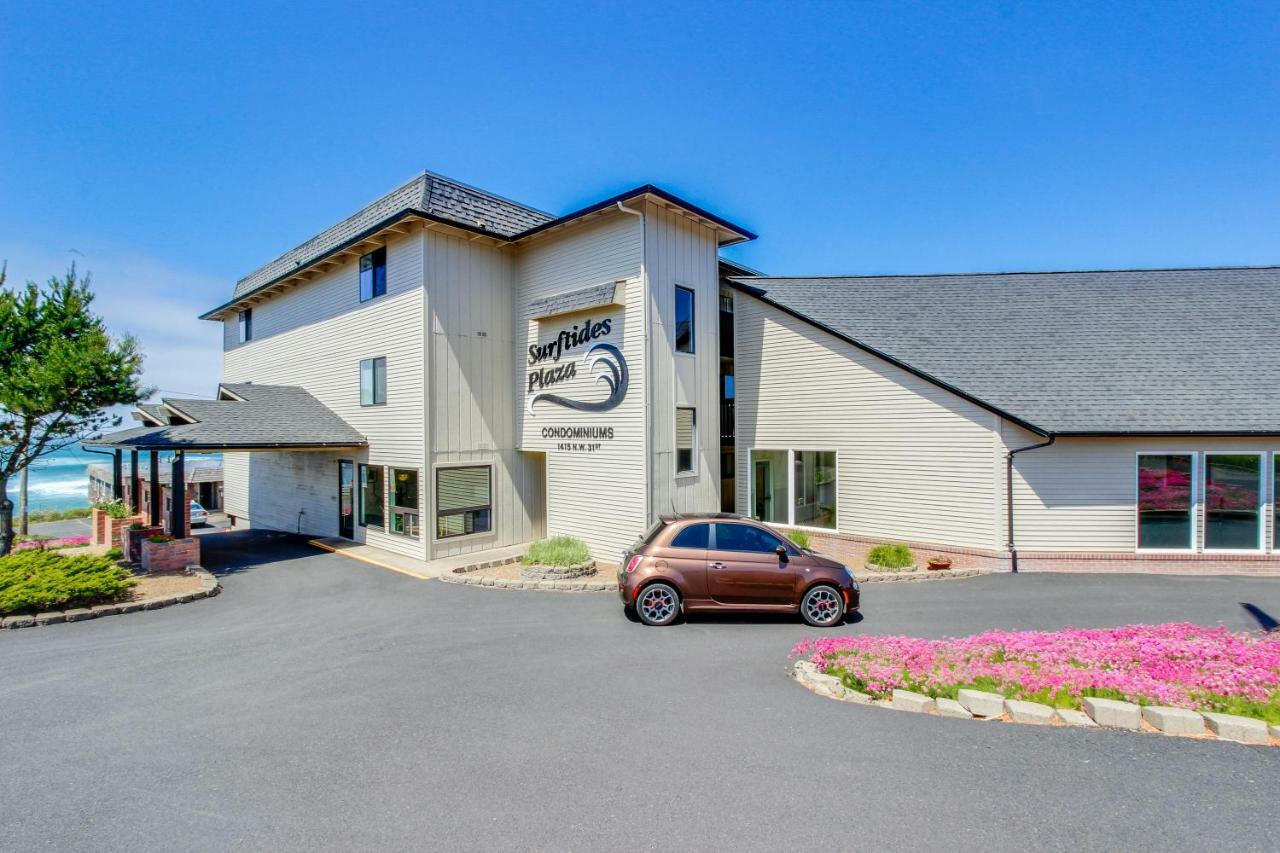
(726, 562)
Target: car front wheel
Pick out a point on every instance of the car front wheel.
(822, 606)
(658, 604)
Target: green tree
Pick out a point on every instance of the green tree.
(59, 372)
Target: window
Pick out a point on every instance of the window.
(686, 440)
(1275, 504)
(246, 325)
(744, 537)
(794, 487)
(684, 319)
(404, 501)
(693, 536)
(1165, 500)
(463, 501)
(373, 382)
(371, 496)
(1232, 501)
(373, 274)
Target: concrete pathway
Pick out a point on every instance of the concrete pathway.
(424, 569)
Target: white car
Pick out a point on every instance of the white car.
(199, 515)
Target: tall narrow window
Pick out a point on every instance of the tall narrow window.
(1275, 504)
(1164, 501)
(373, 274)
(373, 382)
(1232, 501)
(684, 319)
(246, 325)
(686, 440)
(371, 492)
(815, 488)
(464, 501)
(770, 486)
(404, 501)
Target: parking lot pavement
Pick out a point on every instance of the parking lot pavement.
(324, 703)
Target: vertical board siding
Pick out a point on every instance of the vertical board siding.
(314, 336)
(684, 253)
(598, 497)
(471, 417)
(1080, 494)
(914, 462)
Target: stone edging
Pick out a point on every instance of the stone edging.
(209, 587)
(467, 575)
(558, 573)
(868, 576)
(1097, 713)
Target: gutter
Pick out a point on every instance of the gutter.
(1008, 481)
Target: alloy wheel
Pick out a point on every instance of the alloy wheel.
(822, 606)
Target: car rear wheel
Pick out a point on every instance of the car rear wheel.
(658, 604)
(822, 606)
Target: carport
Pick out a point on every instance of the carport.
(243, 418)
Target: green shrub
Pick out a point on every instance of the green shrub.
(896, 556)
(558, 551)
(160, 538)
(114, 554)
(57, 514)
(115, 509)
(35, 580)
(799, 537)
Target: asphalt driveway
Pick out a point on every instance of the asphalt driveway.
(324, 703)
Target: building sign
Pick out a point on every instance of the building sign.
(551, 364)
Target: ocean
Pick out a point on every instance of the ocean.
(58, 481)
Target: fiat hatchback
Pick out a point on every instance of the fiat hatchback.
(693, 563)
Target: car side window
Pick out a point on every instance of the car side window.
(745, 537)
(693, 536)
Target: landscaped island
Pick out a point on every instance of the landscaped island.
(1180, 665)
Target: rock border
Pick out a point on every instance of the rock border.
(467, 575)
(916, 575)
(209, 587)
(1097, 713)
(557, 573)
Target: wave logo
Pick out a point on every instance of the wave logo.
(613, 375)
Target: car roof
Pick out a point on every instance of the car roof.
(703, 516)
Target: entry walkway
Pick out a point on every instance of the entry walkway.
(424, 569)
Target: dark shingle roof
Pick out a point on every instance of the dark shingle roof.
(266, 416)
(1143, 351)
(427, 193)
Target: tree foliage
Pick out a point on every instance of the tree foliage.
(60, 370)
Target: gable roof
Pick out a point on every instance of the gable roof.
(245, 417)
(1166, 351)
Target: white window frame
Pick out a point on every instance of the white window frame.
(693, 321)
(791, 470)
(435, 507)
(392, 507)
(1262, 502)
(1193, 545)
(696, 457)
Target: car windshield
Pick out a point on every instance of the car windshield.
(195, 505)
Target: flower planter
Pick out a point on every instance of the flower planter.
(172, 556)
(107, 530)
(939, 565)
(131, 541)
(557, 573)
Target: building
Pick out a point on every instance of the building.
(448, 371)
(203, 479)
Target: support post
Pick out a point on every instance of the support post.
(178, 509)
(117, 487)
(155, 488)
(135, 498)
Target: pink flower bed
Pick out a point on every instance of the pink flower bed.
(1188, 666)
(65, 542)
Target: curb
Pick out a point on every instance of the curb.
(919, 576)
(465, 575)
(1097, 713)
(209, 587)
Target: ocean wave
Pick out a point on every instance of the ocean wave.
(60, 486)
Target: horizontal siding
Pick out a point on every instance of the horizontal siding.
(1080, 493)
(314, 336)
(914, 462)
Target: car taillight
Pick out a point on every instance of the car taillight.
(633, 563)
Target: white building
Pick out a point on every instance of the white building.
(505, 374)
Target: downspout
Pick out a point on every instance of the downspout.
(648, 384)
(1008, 482)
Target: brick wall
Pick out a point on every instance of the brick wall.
(106, 530)
(170, 556)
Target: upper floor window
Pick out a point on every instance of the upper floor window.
(373, 381)
(246, 325)
(684, 319)
(686, 440)
(373, 274)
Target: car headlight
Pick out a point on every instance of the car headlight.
(853, 582)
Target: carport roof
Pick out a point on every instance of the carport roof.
(243, 417)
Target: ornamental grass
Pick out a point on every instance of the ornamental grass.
(1182, 665)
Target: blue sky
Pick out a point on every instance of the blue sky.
(171, 148)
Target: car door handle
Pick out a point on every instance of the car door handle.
(717, 565)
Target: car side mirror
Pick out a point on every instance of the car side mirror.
(782, 555)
